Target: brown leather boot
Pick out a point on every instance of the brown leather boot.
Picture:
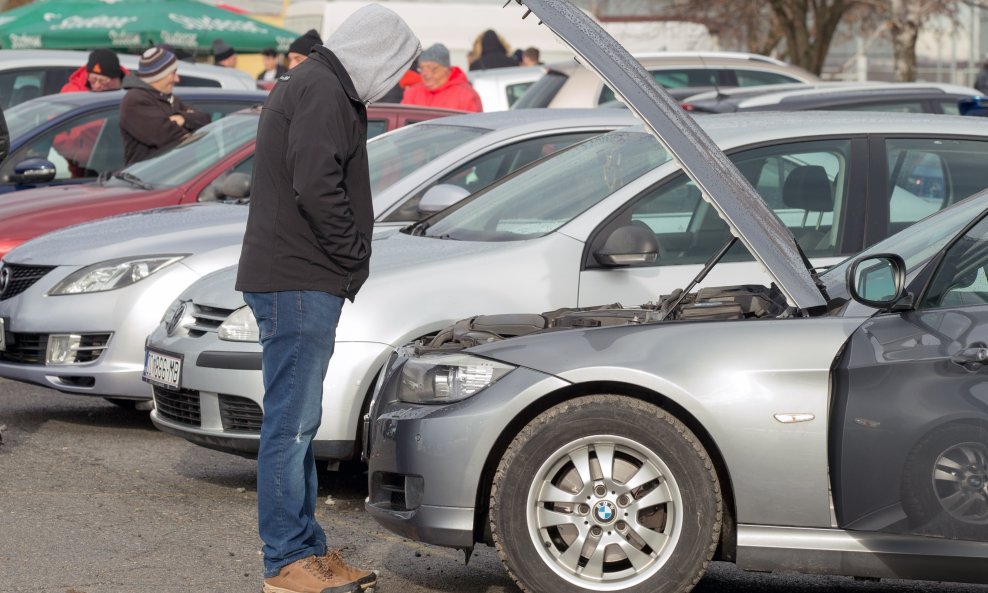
(334, 562)
(309, 575)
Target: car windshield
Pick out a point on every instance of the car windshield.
(394, 155)
(25, 117)
(916, 244)
(195, 154)
(542, 198)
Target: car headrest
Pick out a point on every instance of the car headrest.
(808, 188)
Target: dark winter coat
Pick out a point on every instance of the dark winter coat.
(311, 216)
(144, 124)
(492, 54)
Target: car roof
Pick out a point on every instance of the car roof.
(111, 97)
(854, 90)
(11, 59)
(706, 60)
(537, 119)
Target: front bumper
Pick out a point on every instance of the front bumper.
(220, 401)
(426, 463)
(126, 315)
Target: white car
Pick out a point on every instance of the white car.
(499, 88)
(29, 73)
(611, 219)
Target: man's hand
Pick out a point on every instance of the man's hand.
(179, 119)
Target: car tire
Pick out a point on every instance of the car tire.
(945, 482)
(644, 517)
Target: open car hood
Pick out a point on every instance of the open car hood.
(720, 182)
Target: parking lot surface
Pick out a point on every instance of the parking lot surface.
(93, 499)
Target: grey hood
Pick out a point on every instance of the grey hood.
(720, 182)
(376, 47)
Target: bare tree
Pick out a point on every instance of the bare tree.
(747, 24)
(905, 19)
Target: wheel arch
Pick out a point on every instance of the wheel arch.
(728, 542)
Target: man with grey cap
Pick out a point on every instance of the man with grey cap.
(151, 118)
(306, 250)
(442, 85)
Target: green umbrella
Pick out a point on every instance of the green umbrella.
(134, 25)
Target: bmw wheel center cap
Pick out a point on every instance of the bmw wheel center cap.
(604, 511)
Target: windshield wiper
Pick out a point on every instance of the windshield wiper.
(133, 180)
(683, 293)
(416, 229)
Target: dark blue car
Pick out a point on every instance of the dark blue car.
(75, 137)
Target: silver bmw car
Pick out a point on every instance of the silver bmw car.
(832, 423)
(80, 302)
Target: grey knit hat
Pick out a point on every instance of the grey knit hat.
(436, 53)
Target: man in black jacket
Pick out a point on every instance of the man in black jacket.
(151, 118)
(306, 250)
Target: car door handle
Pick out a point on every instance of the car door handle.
(973, 356)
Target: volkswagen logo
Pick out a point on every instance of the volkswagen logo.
(604, 511)
(176, 318)
(4, 279)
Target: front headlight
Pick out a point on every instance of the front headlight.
(240, 326)
(448, 378)
(113, 274)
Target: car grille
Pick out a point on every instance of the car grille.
(25, 348)
(15, 279)
(240, 414)
(178, 405)
(206, 319)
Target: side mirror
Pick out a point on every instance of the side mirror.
(33, 170)
(440, 197)
(235, 186)
(630, 245)
(877, 281)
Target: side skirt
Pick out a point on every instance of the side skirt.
(861, 554)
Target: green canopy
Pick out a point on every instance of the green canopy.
(135, 25)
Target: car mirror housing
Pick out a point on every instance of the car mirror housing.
(235, 186)
(33, 170)
(440, 197)
(630, 245)
(877, 280)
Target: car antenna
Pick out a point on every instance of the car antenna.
(717, 90)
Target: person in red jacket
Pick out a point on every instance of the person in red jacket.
(442, 86)
(102, 72)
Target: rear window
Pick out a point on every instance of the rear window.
(185, 80)
(541, 93)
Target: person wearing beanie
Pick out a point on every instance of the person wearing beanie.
(306, 250)
(223, 54)
(299, 50)
(151, 118)
(442, 85)
(102, 72)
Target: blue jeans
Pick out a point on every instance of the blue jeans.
(297, 331)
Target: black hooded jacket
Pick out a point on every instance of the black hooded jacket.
(311, 187)
(492, 53)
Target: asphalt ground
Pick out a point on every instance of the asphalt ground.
(93, 499)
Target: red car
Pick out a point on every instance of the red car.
(213, 164)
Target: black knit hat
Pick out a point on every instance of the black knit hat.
(105, 62)
(221, 50)
(304, 44)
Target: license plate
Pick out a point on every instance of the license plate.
(162, 369)
(3, 335)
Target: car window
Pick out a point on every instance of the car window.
(19, 86)
(70, 146)
(483, 170)
(513, 92)
(927, 175)
(960, 279)
(217, 109)
(394, 155)
(672, 79)
(949, 106)
(186, 80)
(758, 78)
(25, 117)
(540, 199)
(199, 151)
(541, 93)
(804, 183)
(376, 127)
(215, 192)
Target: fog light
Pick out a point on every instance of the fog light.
(63, 348)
